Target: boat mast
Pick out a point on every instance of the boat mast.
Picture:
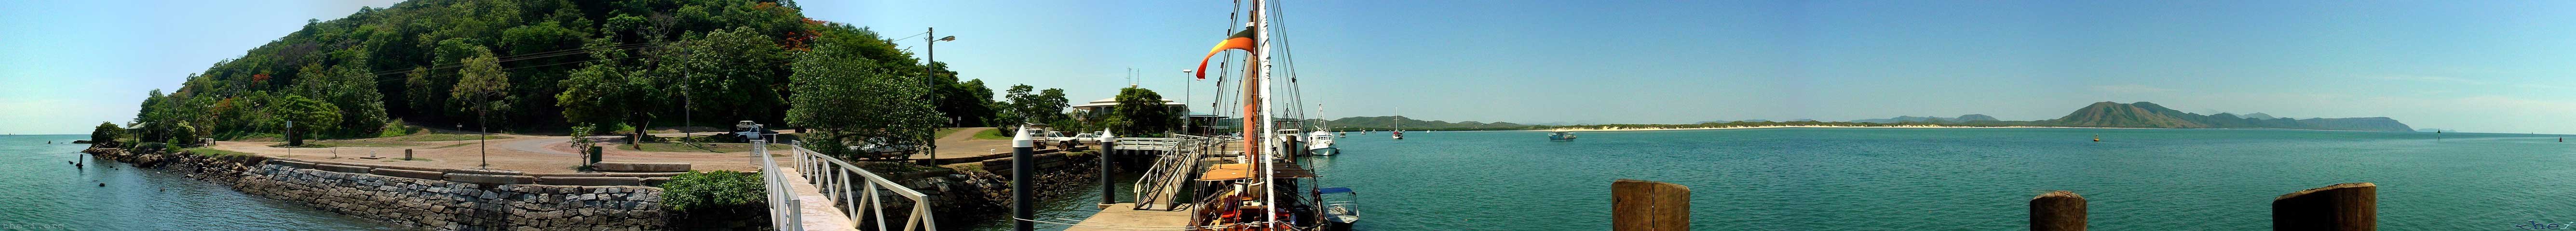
(1261, 39)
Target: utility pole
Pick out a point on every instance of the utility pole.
(930, 42)
(930, 48)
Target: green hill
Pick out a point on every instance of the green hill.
(546, 65)
(2150, 115)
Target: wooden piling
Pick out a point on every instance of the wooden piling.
(406, 154)
(1637, 205)
(2342, 207)
(2057, 211)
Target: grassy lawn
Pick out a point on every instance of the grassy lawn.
(213, 152)
(455, 145)
(994, 134)
(703, 147)
(441, 137)
(359, 143)
(943, 132)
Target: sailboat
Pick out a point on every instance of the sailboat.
(1399, 123)
(1261, 189)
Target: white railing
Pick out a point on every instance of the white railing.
(1177, 163)
(833, 177)
(784, 210)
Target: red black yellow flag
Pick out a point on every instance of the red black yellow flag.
(1240, 41)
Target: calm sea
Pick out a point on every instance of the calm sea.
(40, 190)
(1950, 179)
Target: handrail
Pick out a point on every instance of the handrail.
(833, 176)
(1171, 170)
(784, 212)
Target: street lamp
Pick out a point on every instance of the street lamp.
(1186, 93)
(932, 51)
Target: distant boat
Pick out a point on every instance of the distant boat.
(1321, 143)
(1560, 136)
(2097, 137)
(1399, 123)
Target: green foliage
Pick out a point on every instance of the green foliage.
(1029, 105)
(967, 104)
(183, 137)
(106, 132)
(856, 100)
(704, 190)
(485, 88)
(597, 94)
(581, 137)
(1142, 112)
(211, 152)
(728, 75)
(309, 116)
(529, 65)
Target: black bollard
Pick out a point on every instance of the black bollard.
(1108, 191)
(1023, 162)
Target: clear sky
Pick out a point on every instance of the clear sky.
(2480, 66)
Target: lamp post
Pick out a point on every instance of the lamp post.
(1186, 93)
(931, 49)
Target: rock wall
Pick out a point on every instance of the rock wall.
(446, 205)
(422, 203)
(963, 198)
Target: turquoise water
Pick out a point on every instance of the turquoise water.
(40, 190)
(1950, 179)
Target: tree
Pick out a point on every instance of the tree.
(1031, 106)
(309, 116)
(105, 132)
(734, 74)
(484, 88)
(1140, 111)
(969, 103)
(597, 94)
(347, 88)
(855, 102)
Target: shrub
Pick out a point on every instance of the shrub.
(106, 132)
(719, 200)
(705, 190)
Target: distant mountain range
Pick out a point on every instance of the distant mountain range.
(2102, 114)
(2150, 115)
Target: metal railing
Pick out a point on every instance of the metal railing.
(833, 176)
(784, 212)
(1171, 171)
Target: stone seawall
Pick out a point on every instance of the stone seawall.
(404, 200)
(447, 205)
(965, 198)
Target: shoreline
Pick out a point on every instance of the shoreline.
(1625, 129)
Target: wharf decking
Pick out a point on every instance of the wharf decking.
(817, 209)
(1121, 217)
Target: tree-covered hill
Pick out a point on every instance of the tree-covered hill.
(544, 65)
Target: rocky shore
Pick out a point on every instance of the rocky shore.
(959, 197)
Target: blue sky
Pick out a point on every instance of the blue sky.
(2484, 66)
